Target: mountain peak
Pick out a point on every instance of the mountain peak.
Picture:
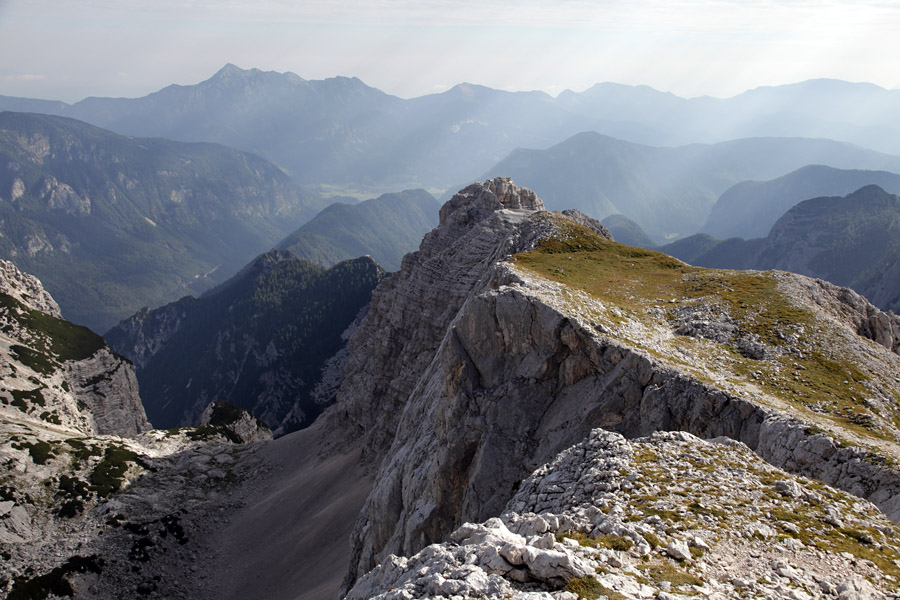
(228, 71)
(482, 198)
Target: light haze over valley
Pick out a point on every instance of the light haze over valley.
(450, 299)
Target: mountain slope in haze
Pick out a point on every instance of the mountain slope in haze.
(852, 241)
(111, 223)
(385, 228)
(269, 340)
(625, 231)
(340, 131)
(858, 113)
(667, 191)
(750, 208)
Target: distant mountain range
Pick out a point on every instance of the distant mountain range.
(342, 132)
(852, 241)
(385, 228)
(750, 208)
(111, 223)
(268, 340)
(669, 191)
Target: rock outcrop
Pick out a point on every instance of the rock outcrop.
(58, 373)
(26, 289)
(238, 424)
(92, 504)
(657, 517)
(484, 348)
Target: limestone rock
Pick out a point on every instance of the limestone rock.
(650, 477)
(26, 289)
(58, 373)
(467, 359)
(236, 422)
(678, 549)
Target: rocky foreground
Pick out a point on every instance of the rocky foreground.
(667, 516)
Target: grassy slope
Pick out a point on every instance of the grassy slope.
(808, 372)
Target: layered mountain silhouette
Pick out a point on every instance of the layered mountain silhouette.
(112, 223)
(341, 131)
(384, 228)
(852, 241)
(669, 191)
(750, 208)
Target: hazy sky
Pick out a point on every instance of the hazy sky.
(66, 50)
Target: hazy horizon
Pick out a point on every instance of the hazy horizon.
(459, 83)
(721, 48)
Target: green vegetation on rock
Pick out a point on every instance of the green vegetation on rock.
(773, 344)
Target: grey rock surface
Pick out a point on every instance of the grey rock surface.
(58, 373)
(27, 289)
(466, 360)
(630, 519)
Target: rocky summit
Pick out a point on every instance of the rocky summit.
(531, 410)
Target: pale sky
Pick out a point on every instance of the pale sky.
(67, 50)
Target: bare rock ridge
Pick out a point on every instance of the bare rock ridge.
(474, 367)
(664, 517)
(59, 373)
(411, 309)
(26, 289)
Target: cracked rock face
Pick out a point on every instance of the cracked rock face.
(468, 358)
(57, 373)
(657, 517)
(26, 289)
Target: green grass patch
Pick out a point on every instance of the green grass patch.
(40, 451)
(33, 397)
(109, 475)
(37, 361)
(82, 451)
(662, 571)
(589, 588)
(613, 542)
(629, 280)
(699, 509)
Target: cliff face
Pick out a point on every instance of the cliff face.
(58, 373)
(514, 332)
(411, 310)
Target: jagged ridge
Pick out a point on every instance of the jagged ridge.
(490, 359)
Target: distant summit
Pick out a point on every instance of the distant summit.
(340, 132)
